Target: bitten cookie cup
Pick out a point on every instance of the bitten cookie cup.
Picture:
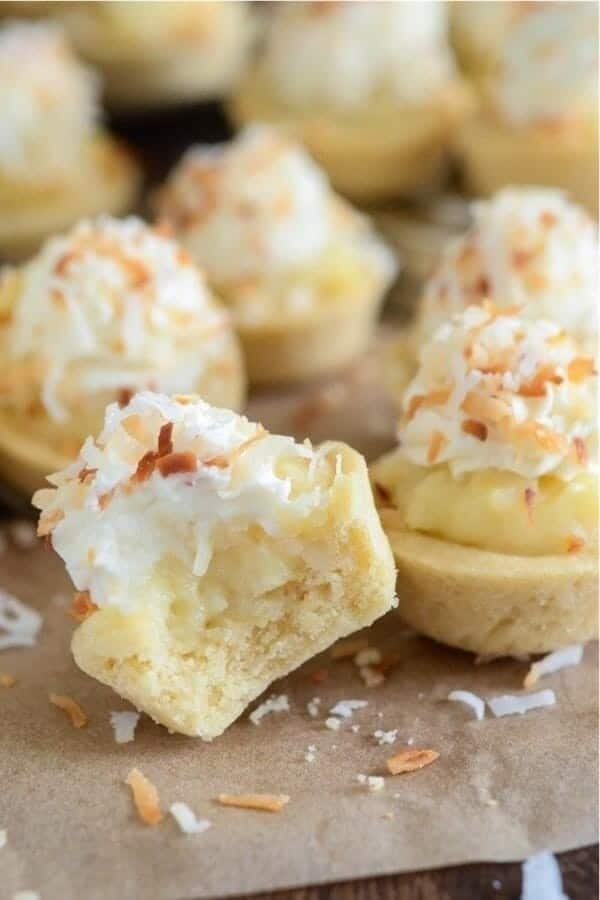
(490, 502)
(547, 134)
(106, 310)
(158, 53)
(57, 165)
(303, 273)
(527, 247)
(212, 556)
(369, 88)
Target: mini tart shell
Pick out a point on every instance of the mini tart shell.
(290, 350)
(107, 182)
(494, 155)
(365, 157)
(493, 603)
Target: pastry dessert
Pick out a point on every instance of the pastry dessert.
(152, 53)
(490, 501)
(479, 28)
(526, 246)
(109, 309)
(546, 134)
(56, 163)
(370, 88)
(214, 557)
(303, 273)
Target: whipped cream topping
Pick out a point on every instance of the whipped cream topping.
(553, 51)
(530, 247)
(173, 470)
(260, 208)
(496, 391)
(48, 103)
(341, 54)
(113, 304)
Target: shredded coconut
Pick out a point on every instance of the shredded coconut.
(19, 624)
(371, 677)
(508, 705)
(313, 707)
(476, 703)
(385, 737)
(186, 819)
(124, 725)
(310, 754)
(541, 878)
(355, 728)
(345, 708)
(272, 705)
(371, 782)
(332, 723)
(553, 662)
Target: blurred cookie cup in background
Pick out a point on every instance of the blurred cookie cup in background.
(302, 272)
(538, 121)
(478, 29)
(490, 501)
(111, 308)
(529, 248)
(160, 53)
(371, 89)
(57, 163)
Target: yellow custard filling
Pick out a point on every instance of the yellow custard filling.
(341, 275)
(492, 510)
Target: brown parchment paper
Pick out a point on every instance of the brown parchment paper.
(501, 789)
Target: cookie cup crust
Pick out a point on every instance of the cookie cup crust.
(493, 603)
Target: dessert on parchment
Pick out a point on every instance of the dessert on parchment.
(211, 556)
(157, 53)
(371, 89)
(526, 246)
(57, 163)
(490, 501)
(538, 122)
(110, 308)
(303, 273)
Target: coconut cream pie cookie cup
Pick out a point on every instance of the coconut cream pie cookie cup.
(526, 246)
(56, 162)
(538, 123)
(370, 88)
(303, 273)
(111, 308)
(211, 557)
(156, 53)
(490, 501)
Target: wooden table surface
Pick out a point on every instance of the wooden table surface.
(479, 882)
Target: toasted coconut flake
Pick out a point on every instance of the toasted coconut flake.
(541, 878)
(580, 368)
(492, 409)
(508, 705)
(410, 760)
(580, 451)
(177, 464)
(7, 680)
(267, 802)
(553, 662)
(575, 543)
(348, 647)
(434, 398)
(382, 494)
(124, 395)
(225, 460)
(476, 703)
(74, 711)
(186, 819)
(536, 386)
(437, 443)
(145, 467)
(134, 426)
(82, 606)
(48, 522)
(319, 675)
(165, 439)
(145, 797)
(475, 429)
